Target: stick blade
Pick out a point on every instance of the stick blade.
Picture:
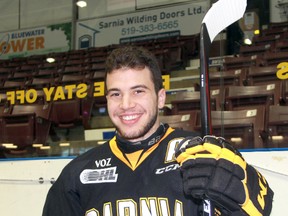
(222, 14)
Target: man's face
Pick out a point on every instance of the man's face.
(132, 103)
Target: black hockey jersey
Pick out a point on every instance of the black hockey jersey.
(104, 182)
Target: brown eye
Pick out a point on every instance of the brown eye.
(113, 94)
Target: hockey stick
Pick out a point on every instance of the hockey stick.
(222, 14)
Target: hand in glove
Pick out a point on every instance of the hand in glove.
(212, 168)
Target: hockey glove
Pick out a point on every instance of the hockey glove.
(212, 168)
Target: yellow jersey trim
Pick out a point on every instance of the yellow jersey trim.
(134, 159)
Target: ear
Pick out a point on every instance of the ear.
(161, 98)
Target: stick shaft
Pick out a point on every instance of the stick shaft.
(206, 124)
(205, 104)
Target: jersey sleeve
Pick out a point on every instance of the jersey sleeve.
(62, 199)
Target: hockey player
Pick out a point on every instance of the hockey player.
(138, 172)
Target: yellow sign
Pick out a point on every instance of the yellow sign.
(64, 92)
(282, 73)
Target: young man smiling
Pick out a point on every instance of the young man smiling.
(136, 173)
(133, 103)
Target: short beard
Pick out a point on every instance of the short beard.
(142, 132)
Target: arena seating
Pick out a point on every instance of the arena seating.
(4, 74)
(187, 101)
(240, 62)
(278, 127)
(242, 128)
(281, 46)
(185, 121)
(26, 124)
(285, 92)
(46, 72)
(66, 113)
(248, 50)
(274, 30)
(67, 79)
(227, 78)
(261, 75)
(274, 58)
(41, 82)
(254, 66)
(12, 85)
(266, 39)
(247, 96)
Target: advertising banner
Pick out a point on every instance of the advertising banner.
(41, 40)
(139, 26)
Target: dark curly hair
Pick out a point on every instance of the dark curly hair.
(136, 58)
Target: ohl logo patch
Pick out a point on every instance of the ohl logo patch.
(96, 176)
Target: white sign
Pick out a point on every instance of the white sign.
(139, 26)
(278, 11)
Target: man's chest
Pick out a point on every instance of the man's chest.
(151, 189)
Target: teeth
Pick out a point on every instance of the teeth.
(131, 117)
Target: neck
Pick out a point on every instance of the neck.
(129, 147)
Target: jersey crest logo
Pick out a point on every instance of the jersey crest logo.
(96, 176)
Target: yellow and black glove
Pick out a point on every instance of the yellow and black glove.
(214, 169)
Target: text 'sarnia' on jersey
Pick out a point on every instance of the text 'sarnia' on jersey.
(151, 206)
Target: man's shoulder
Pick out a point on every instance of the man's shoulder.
(91, 155)
(96, 150)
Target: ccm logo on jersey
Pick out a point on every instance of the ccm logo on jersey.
(168, 168)
(95, 176)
